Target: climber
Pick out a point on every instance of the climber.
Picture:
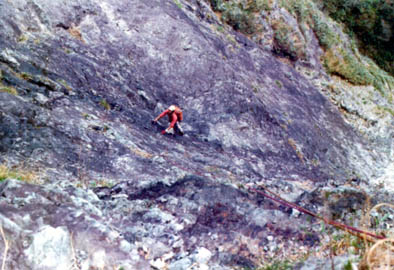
(174, 117)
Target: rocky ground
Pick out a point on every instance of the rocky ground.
(80, 83)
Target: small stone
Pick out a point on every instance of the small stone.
(125, 246)
(203, 255)
(168, 256)
(187, 47)
(295, 213)
(41, 99)
(158, 159)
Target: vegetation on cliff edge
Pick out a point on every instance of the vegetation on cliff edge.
(341, 50)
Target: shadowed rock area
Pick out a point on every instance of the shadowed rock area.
(89, 77)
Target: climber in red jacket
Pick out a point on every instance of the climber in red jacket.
(174, 117)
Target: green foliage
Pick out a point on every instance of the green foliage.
(323, 227)
(342, 63)
(286, 42)
(372, 21)
(26, 76)
(301, 9)
(337, 60)
(357, 244)
(237, 14)
(347, 66)
(216, 4)
(389, 111)
(307, 13)
(257, 5)
(220, 29)
(238, 18)
(65, 84)
(326, 36)
(18, 173)
(179, 5)
(348, 266)
(105, 104)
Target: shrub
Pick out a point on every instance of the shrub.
(257, 5)
(346, 65)
(286, 41)
(217, 5)
(326, 36)
(367, 17)
(239, 15)
(372, 21)
(239, 18)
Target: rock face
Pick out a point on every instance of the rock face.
(90, 75)
(50, 249)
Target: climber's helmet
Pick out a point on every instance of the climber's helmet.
(171, 108)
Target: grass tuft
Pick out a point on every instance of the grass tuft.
(65, 85)
(19, 174)
(178, 4)
(105, 104)
(340, 62)
(9, 90)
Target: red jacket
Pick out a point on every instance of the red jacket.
(173, 117)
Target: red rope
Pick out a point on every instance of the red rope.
(282, 201)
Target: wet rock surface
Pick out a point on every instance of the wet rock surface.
(90, 75)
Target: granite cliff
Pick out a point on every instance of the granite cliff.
(81, 81)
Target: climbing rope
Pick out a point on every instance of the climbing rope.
(355, 231)
(272, 196)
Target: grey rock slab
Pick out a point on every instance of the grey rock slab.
(60, 225)
(90, 77)
(51, 248)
